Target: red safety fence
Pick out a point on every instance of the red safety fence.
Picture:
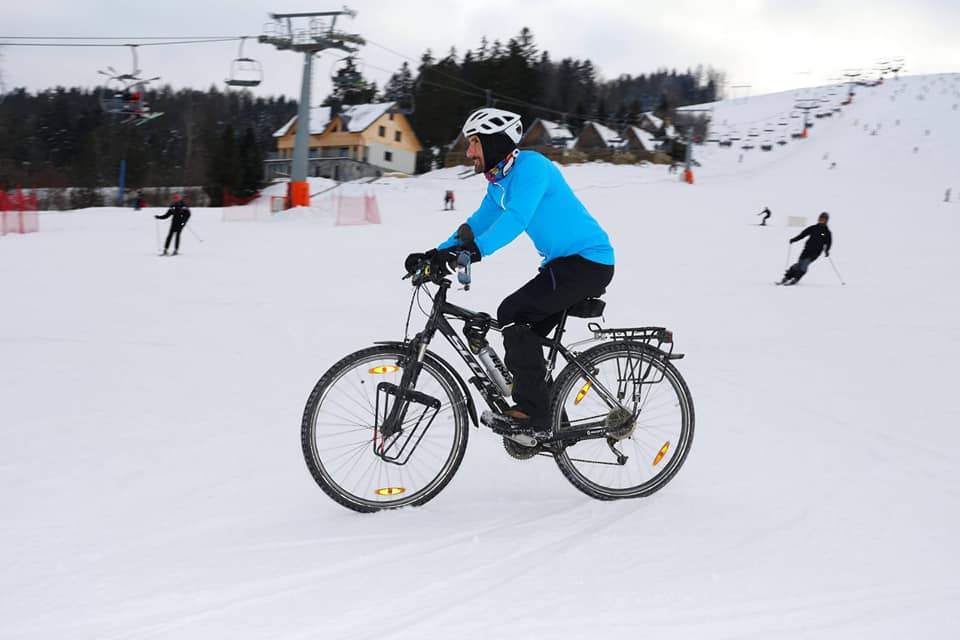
(18, 212)
(230, 200)
(361, 209)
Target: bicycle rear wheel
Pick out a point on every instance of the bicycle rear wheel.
(656, 442)
(349, 456)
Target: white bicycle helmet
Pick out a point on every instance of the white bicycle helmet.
(489, 120)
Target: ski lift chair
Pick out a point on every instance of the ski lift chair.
(244, 71)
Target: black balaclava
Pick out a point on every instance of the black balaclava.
(496, 147)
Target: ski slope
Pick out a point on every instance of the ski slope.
(152, 484)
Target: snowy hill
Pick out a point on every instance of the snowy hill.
(152, 484)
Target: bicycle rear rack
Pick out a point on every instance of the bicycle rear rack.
(654, 337)
(658, 339)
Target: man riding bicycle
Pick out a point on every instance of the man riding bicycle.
(527, 194)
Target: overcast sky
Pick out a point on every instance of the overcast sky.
(770, 46)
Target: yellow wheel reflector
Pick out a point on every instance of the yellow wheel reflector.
(385, 369)
(389, 491)
(582, 392)
(661, 453)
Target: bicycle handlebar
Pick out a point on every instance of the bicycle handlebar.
(428, 270)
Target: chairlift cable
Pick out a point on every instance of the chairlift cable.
(126, 43)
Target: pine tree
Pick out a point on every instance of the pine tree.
(248, 179)
(350, 87)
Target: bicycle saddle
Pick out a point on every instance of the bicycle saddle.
(587, 308)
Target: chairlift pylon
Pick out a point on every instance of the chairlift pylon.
(244, 71)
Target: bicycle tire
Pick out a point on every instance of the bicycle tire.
(378, 484)
(658, 446)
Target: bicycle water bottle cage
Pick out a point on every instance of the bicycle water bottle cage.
(475, 329)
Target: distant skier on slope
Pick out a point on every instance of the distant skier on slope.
(819, 239)
(766, 214)
(180, 213)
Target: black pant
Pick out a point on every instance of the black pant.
(534, 310)
(173, 234)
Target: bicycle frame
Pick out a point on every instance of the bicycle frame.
(438, 321)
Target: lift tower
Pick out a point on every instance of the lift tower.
(319, 35)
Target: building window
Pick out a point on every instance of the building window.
(396, 136)
(391, 116)
(388, 156)
(382, 131)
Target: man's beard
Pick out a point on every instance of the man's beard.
(477, 165)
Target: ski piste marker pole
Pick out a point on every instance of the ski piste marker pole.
(839, 277)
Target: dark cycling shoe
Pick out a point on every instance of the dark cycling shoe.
(514, 422)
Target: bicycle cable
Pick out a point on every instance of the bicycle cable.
(406, 328)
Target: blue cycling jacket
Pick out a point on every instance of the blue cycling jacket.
(534, 198)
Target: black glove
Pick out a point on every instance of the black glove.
(414, 259)
(467, 243)
(828, 253)
(443, 260)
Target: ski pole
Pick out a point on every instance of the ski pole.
(839, 277)
(156, 226)
(190, 229)
(789, 251)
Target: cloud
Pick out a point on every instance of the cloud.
(770, 45)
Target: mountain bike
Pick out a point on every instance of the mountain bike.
(387, 426)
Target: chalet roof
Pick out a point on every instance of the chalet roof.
(610, 137)
(645, 137)
(356, 117)
(654, 120)
(556, 131)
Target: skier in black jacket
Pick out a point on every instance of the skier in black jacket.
(180, 213)
(819, 239)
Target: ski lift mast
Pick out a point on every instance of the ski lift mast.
(806, 106)
(688, 151)
(317, 37)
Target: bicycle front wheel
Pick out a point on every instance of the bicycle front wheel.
(364, 467)
(653, 440)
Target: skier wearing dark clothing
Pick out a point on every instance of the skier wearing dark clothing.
(526, 193)
(819, 239)
(180, 213)
(766, 214)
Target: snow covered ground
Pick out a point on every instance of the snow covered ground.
(152, 484)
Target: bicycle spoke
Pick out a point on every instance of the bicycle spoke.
(342, 446)
(656, 444)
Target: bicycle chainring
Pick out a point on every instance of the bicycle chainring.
(519, 452)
